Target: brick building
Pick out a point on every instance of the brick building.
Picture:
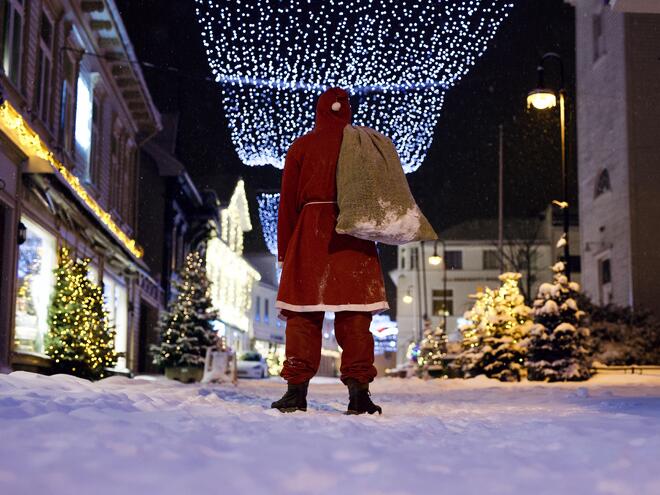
(76, 111)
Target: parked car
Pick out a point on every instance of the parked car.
(252, 365)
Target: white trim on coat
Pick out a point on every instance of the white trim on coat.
(376, 307)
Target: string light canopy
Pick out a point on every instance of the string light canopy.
(398, 57)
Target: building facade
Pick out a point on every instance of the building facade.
(75, 112)
(470, 262)
(232, 277)
(266, 330)
(175, 219)
(618, 124)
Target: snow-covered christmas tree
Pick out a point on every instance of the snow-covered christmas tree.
(494, 337)
(80, 340)
(557, 348)
(432, 350)
(186, 330)
(478, 323)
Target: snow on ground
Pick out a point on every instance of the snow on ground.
(60, 435)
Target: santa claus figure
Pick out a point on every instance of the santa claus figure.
(323, 270)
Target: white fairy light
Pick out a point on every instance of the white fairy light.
(398, 57)
(268, 207)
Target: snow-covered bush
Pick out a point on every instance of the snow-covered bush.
(558, 344)
(621, 336)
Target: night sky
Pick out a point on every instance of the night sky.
(458, 180)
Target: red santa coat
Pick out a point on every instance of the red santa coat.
(322, 270)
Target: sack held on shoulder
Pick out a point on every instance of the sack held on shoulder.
(375, 202)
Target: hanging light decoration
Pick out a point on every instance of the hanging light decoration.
(396, 57)
(268, 208)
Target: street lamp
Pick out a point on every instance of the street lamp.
(543, 98)
(408, 298)
(435, 260)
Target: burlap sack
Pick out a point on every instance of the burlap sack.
(375, 202)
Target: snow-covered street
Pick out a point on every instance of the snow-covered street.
(61, 435)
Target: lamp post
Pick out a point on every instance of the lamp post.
(543, 98)
(435, 260)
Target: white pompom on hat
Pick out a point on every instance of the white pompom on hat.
(336, 106)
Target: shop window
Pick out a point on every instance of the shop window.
(37, 258)
(116, 300)
(44, 69)
(12, 50)
(443, 301)
(454, 260)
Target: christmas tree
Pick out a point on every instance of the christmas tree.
(557, 349)
(433, 349)
(186, 330)
(467, 363)
(80, 340)
(495, 335)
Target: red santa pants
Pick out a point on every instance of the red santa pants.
(303, 346)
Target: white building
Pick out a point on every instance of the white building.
(618, 125)
(471, 262)
(266, 329)
(232, 277)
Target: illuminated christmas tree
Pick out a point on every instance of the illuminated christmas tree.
(80, 340)
(494, 337)
(466, 363)
(433, 349)
(186, 330)
(557, 349)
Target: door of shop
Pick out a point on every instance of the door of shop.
(148, 336)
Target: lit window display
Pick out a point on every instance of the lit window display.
(116, 300)
(37, 259)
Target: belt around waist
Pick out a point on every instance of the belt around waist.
(320, 203)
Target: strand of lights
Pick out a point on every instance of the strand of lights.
(13, 124)
(399, 57)
(269, 205)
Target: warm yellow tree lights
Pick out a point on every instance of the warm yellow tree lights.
(80, 341)
(14, 125)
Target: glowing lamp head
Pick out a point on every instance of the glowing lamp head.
(541, 99)
(435, 260)
(407, 299)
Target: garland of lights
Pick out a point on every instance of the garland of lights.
(397, 57)
(269, 205)
(13, 124)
